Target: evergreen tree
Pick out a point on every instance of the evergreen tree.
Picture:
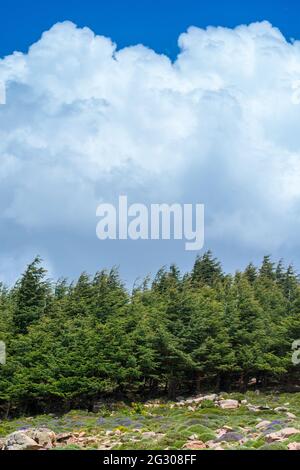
(206, 271)
(31, 295)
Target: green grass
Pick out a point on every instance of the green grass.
(175, 425)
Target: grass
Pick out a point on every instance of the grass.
(174, 425)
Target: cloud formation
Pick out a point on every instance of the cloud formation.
(84, 122)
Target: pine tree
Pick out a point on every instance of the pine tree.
(206, 271)
(31, 294)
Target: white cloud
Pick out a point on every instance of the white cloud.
(84, 122)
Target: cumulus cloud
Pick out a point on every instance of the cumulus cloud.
(84, 122)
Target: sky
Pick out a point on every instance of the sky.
(189, 102)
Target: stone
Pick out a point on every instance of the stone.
(149, 434)
(294, 446)
(280, 408)
(194, 445)
(211, 397)
(189, 401)
(20, 441)
(43, 436)
(291, 415)
(287, 432)
(255, 408)
(213, 445)
(244, 402)
(230, 437)
(198, 399)
(229, 404)
(263, 424)
(193, 437)
(63, 436)
(179, 398)
(282, 434)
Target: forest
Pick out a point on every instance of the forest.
(70, 344)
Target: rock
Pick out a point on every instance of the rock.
(291, 415)
(252, 381)
(263, 424)
(211, 397)
(213, 445)
(198, 399)
(287, 432)
(179, 398)
(2, 443)
(294, 446)
(252, 408)
(229, 404)
(148, 434)
(43, 436)
(63, 436)
(194, 445)
(282, 434)
(220, 432)
(230, 437)
(191, 408)
(244, 402)
(189, 401)
(280, 408)
(255, 408)
(20, 441)
(193, 437)
(263, 407)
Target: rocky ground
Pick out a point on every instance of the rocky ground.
(203, 422)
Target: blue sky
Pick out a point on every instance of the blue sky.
(192, 115)
(156, 24)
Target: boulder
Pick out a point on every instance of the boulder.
(282, 434)
(19, 440)
(263, 424)
(43, 436)
(2, 443)
(278, 409)
(191, 408)
(63, 436)
(149, 434)
(230, 437)
(194, 445)
(229, 404)
(211, 397)
(294, 446)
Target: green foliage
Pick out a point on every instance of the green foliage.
(70, 344)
